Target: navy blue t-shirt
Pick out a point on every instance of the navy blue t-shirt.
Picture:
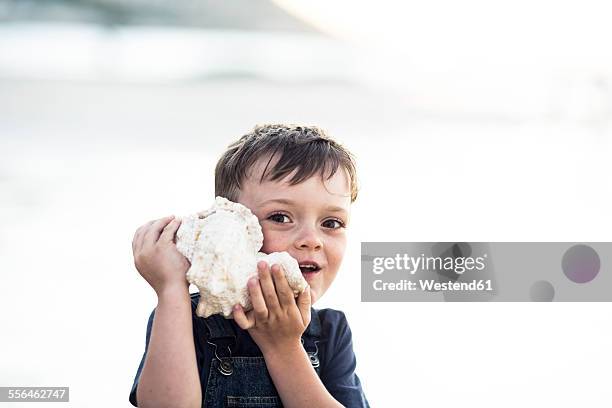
(338, 362)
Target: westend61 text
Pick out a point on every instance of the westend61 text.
(432, 285)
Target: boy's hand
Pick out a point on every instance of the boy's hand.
(156, 256)
(277, 321)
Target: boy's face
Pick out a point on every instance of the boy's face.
(307, 220)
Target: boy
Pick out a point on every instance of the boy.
(300, 185)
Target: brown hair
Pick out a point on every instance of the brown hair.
(306, 149)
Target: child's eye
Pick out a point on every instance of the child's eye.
(333, 223)
(278, 217)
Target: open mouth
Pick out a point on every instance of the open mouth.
(309, 268)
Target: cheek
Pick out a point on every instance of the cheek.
(273, 241)
(335, 250)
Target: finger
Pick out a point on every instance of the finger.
(257, 299)
(267, 287)
(167, 235)
(137, 242)
(304, 303)
(245, 321)
(140, 235)
(283, 290)
(155, 229)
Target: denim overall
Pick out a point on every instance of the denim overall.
(243, 380)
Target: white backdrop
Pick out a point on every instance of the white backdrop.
(84, 162)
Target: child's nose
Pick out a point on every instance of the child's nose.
(308, 238)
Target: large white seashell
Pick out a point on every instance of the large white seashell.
(222, 244)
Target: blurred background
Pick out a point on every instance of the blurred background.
(470, 121)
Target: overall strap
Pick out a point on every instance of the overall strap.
(311, 339)
(220, 334)
(219, 327)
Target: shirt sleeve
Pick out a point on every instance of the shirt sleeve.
(137, 378)
(339, 377)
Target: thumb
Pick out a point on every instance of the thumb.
(304, 303)
(168, 233)
(245, 321)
